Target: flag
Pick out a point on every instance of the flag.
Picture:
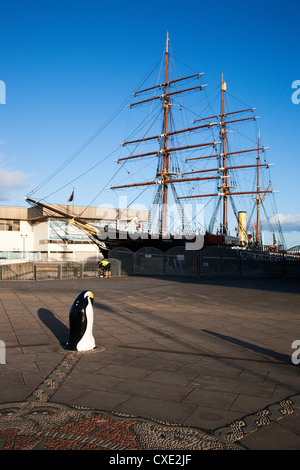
(71, 198)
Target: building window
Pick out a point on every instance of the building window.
(10, 225)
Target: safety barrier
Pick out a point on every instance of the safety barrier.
(42, 271)
(210, 262)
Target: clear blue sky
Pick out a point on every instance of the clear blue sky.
(69, 65)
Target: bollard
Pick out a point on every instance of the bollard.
(81, 318)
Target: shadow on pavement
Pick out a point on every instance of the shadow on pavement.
(284, 286)
(57, 327)
(253, 347)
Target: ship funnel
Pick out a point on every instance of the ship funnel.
(242, 221)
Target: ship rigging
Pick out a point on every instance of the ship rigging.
(169, 176)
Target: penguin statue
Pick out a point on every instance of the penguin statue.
(81, 319)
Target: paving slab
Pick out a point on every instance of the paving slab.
(209, 359)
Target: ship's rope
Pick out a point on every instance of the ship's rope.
(91, 139)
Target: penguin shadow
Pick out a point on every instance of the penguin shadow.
(57, 327)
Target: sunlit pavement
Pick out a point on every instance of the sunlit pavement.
(214, 356)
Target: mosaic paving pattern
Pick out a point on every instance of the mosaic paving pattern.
(50, 426)
(37, 423)
(237, 430)
(54, 380)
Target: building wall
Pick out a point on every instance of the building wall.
(55, 242)
(19, 241)
(24, 231)
(40, 235)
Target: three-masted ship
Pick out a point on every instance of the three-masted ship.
(167, 180)
(165, 151)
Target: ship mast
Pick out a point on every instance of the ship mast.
(225, 176)
(165, 170)
(223, 169)
(258, 198)
(166, 177)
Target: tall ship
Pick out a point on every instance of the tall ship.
(203, 186)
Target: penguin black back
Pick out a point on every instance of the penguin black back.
(77, 320)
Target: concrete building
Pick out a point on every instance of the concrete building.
(34, 234)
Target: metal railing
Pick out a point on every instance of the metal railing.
(208, 263)
(42, 271)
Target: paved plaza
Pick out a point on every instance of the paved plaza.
(207, 356)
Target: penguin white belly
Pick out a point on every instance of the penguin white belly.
(87, 341)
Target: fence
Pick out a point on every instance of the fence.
(153, 262)
(224, 262)
(208, 263)
(46, 271)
